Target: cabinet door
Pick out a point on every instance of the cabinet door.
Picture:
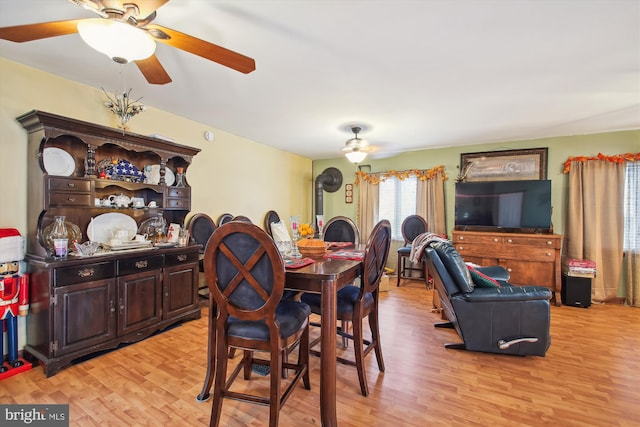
(525, 272)
(84, 315)
(180, 289)
(139, 301)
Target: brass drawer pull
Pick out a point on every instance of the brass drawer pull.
(142, 264)
(86, 272)
(71, 184)
(71, 199)
(182, 257)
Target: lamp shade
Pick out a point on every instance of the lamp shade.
(120, 41)
(356, 156)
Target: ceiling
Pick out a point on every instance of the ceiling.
(414, 74)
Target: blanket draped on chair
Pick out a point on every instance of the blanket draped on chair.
(421, 242)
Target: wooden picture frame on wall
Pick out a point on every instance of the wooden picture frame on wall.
(348, 193)
(504, 165)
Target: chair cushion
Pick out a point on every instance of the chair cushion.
(347, 297)
(482, 280)
(404, 251)
(290, 315)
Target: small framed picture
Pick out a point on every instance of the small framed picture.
(348, 193)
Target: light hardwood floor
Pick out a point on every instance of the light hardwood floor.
(590, 377)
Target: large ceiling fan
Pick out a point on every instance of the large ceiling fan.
(135, 17)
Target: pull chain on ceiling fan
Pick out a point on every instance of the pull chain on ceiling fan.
(124, 25)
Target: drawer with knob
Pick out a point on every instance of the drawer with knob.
(140, 264)
(83, 273)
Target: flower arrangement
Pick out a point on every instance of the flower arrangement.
(123, 107)
(305, 230)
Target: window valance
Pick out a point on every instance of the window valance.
(420, 174)
(618, 158)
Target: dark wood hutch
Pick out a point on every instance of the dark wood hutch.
(81, 305)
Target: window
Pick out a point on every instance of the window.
(632, 207)
(397, 201)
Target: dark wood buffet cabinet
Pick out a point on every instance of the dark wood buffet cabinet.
(84, 304)
(530, 259)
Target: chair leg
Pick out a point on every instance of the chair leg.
(303, 357)
(219, 384)
(358, 348)
(274, 392)
(400, 269)
(285, 359)
(344, 327)
(375, 336)
(247, 362)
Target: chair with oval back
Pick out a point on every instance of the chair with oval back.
(224, 218)
(412, 227)
(246, 276)
(269, 218)
(355, 303)
(242, 218)
(201, 227)
(341, 229)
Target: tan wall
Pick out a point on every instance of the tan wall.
(230, 174)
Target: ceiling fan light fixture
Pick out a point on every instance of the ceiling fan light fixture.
(118, 40)
(355, 156)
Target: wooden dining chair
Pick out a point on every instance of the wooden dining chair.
(341, 229)
(242, 218)
(201, 227)
(269, 218)
(355, 303)
(246, 276)
(412, 227)
(224, 218)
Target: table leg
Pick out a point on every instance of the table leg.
(328, 355)
(211, 354)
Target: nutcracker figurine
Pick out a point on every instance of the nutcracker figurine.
(14, 288)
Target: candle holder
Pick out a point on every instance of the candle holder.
(320, 222)
(295, 252)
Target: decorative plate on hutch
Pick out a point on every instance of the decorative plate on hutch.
(154, 176)
(102, 227)
(58, 162)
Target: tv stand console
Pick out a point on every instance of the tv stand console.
(530, 259)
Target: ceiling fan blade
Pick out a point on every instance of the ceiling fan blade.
(206, 50)
(43, 30)
(153, 71)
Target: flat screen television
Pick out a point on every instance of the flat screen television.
(509, 206)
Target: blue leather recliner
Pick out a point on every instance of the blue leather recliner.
(505, 320)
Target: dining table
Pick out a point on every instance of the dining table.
(325, 276)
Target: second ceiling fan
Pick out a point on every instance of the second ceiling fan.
(356, 149)
(130, 21)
